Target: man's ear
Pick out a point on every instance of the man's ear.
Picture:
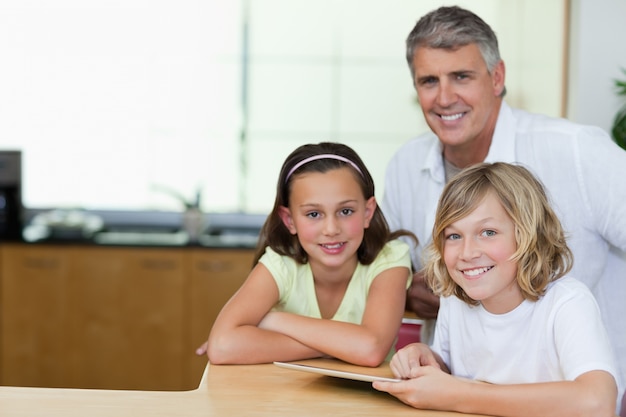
(285, 216)
(498, 76)
(370, 209)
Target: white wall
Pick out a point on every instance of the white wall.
(598, 51)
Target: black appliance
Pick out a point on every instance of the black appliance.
(11, 210)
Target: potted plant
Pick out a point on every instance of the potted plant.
(619, 124)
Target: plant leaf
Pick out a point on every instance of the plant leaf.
(621, 85)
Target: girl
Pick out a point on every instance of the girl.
(509, 316)
(330, 279)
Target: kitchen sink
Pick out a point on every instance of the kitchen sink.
(181, 238)
(141, 238)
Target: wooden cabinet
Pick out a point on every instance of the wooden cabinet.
(111, 318)
(34, 315)
(128, 323)
(215, 277)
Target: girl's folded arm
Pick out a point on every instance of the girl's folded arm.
(235, 337)
(365, 344)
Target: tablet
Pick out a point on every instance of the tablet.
(339, 369)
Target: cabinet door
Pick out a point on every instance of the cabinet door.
(33, 313)
(128, 328)
(216, 274)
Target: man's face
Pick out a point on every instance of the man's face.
(460, 99)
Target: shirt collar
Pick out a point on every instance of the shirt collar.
(434, 161)
(502, 146)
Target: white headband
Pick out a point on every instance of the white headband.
(322, 156)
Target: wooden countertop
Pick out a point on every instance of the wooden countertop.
(239, 390)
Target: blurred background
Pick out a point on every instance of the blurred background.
(121, 104)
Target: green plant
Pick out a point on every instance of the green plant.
(619, 124)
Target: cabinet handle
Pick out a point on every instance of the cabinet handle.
(214, 266)
(160, 264)
(41, 263)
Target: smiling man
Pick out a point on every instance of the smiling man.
(459, 77)
(460, 98)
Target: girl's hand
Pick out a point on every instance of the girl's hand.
(406, 363)
(202, 349)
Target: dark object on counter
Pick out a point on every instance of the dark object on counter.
(11, 209)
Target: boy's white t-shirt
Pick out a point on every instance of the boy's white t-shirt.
(559, 337)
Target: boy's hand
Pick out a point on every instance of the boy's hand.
(406, 363)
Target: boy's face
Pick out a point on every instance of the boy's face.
(477, 251)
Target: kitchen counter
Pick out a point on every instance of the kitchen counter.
(135, 228)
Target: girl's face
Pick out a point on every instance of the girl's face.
(329, 214)
(477, 251)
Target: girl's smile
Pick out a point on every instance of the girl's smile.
(333, 248)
